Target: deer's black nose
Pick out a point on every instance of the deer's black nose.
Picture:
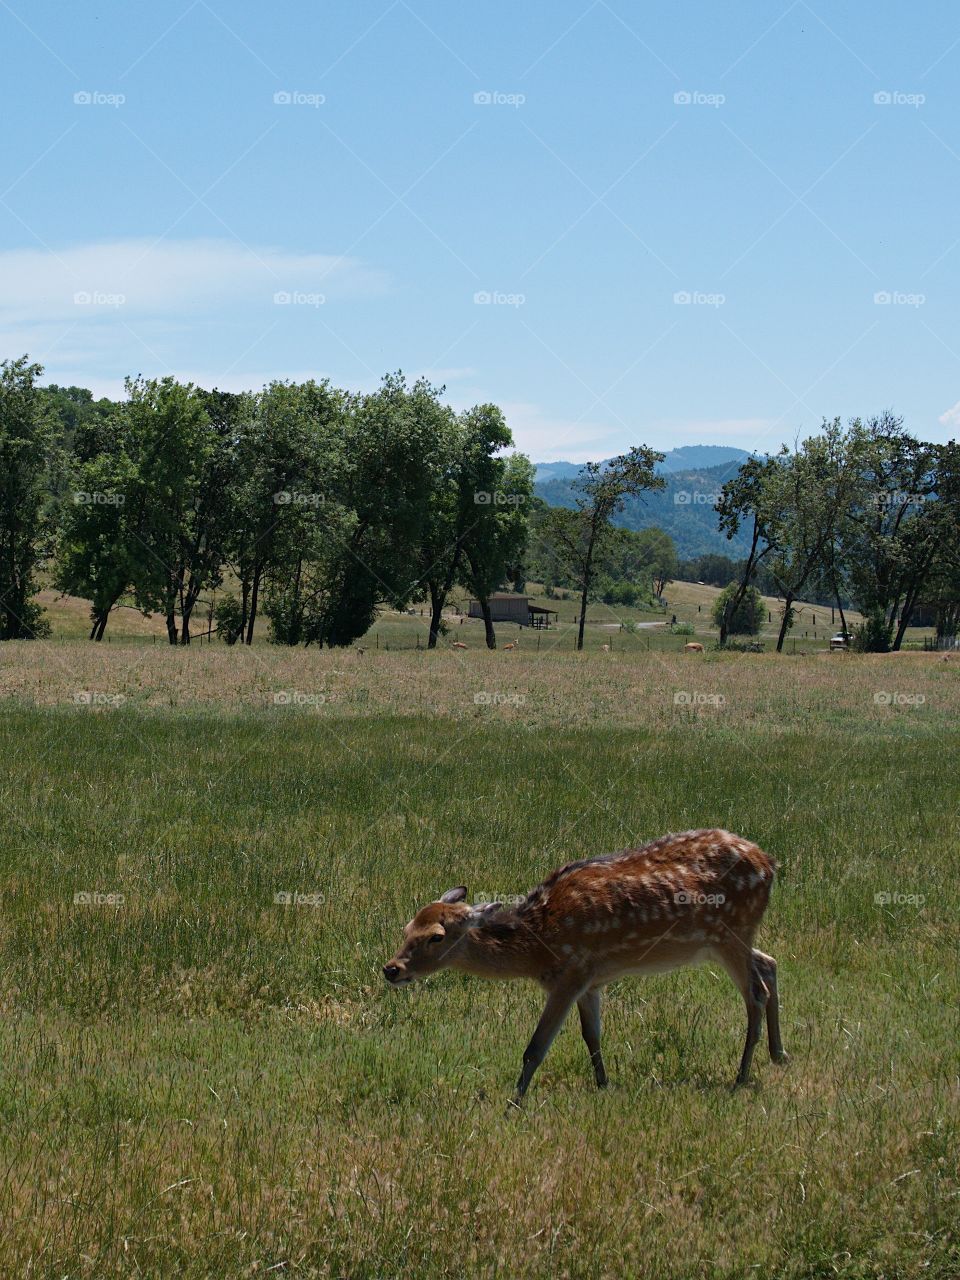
(390, 971)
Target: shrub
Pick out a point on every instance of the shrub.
(748, 618)
(682, 628)
(228, 616)
(625, 593)
(873, 635)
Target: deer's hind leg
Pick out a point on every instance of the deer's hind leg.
(589, 1007)
(736, 957)
(766, 966)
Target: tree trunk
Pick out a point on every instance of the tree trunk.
(583, 616)
(188, 600)
(785, 624)
(99, 624)
(172, 626)
(587, 576)
(836, 596)
(490, 634)
(748, 571)
(244, 606)
(254, 594)
(905, 614)
(436, 614)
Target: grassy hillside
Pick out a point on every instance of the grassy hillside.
(689, 601)
(201, 1082)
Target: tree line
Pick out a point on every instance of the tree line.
(318, 505)
(866, 513)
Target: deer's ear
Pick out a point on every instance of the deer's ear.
(455, 895)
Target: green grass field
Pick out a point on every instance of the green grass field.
(198, 1081)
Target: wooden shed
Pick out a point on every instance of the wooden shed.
(505, 606)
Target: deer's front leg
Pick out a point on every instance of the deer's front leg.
(558, 1005)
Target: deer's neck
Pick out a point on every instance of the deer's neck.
(498, 952)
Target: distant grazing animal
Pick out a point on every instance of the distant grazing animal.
(693, 647)
(514, 644)
(679, 900)
(605, 648)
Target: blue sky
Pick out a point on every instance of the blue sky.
(666, 223)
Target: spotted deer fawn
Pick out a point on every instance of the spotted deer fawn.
(679, 900)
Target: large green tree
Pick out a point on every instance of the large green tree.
(100, 552)
(581, 535)
(889, 534)
(288, 463)
(499, 488)
(26, 463)
(751, 501)
(812, 491)
(171, 442)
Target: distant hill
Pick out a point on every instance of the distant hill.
(688, 457)
(700, 457)
(684, 509)
(546, 471)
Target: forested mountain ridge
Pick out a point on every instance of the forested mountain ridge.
(684, 508)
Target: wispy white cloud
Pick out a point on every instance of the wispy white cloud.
(951, 417)
(761, 434)
(139, 278)
(550, 438)
(547, 438)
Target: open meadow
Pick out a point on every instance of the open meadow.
(209, 854)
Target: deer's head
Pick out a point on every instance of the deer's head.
(431, 939)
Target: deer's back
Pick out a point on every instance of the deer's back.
(696, 882)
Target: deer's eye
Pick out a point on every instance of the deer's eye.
(437, 937)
